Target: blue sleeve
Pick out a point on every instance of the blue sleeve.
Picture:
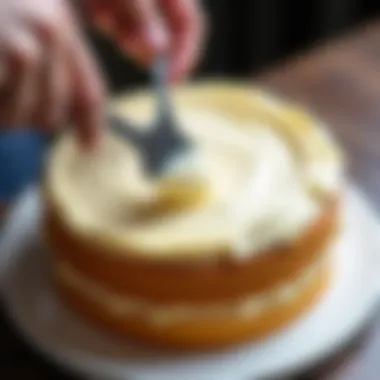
(21, 156)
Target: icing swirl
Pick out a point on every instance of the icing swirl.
(260, 174)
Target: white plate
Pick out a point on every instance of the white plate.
(62, 336)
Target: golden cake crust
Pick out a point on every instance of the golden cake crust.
(198, 334)
(203, 279)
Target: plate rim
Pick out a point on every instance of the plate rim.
(69, 363)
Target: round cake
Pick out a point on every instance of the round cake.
(230, 243)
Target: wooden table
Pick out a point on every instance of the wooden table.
(341, 82)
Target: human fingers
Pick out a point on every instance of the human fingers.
(52, 79)
(21, 53)
(186, 22)
(141, 30)
(86, 92)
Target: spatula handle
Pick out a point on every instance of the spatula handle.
(159, 73)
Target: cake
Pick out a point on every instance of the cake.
(230, 245)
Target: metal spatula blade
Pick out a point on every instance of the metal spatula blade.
(164, 142)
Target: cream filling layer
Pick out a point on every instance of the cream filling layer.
(120, 306)
(266, 168)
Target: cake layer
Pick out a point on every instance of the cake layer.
(198, 280)
(206, 327)
(165, 314)
(229, 243)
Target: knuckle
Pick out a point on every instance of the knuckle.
(50, 21)
(24, 53)
(48, 28)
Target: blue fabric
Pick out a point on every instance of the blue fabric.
(21, 156)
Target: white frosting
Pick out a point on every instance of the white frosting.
(260, 182)
(121, 306)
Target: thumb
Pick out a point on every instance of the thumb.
(142, 32)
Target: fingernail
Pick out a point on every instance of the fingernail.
(156, 38)
(145, 45)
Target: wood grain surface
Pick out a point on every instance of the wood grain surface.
(340, 82)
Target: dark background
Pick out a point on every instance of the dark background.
(247, 36)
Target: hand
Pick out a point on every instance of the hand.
(146, 27)
(47, 74)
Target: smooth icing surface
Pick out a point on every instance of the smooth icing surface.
(260, 173)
